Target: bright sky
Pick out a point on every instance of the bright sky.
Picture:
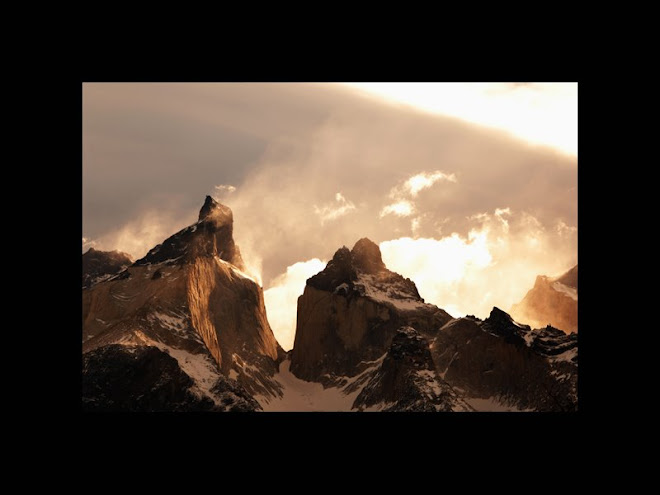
(540, 113)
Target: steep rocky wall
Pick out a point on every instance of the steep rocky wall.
(334, 333)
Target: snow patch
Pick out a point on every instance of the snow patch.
(391, 295)
(199, 367)
(566, 356)
(569, 291)
(175, 322)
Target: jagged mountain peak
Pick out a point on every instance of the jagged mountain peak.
(212, 210)
(350, 311)
(363, 263)
(212, 235)
(366, 256)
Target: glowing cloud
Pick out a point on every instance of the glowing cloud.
(281, 299)
(400, 208)
(540, 113)
(494, 265)
(422, 181)
(331, 211)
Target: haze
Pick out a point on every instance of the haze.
(470, 213)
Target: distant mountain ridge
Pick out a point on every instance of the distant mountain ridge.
(98, 266)
(552, 301)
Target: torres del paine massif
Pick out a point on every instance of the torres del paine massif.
(185, 328)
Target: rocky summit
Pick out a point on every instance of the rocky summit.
(350, 311)
(211, 236)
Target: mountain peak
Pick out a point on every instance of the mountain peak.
(216, 211)
(212, 235)
(366, 256)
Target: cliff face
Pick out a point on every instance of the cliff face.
(552, 301)
(349, 313)
(198, 307)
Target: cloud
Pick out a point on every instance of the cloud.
(424, 180)
(495, 264)
(331, 211)
(401, 208)
(410, 188)
(282, 297)
(223, 190)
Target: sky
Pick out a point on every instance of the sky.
(469, 189)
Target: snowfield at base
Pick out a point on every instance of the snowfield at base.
(302, 396)
(569, 291)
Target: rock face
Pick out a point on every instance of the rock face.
(188, 298)
(350, 311)
(98, 266)
(552, 301)
(498, 363)
(118, 378)
(407, 380)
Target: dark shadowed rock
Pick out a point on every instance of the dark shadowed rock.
(503, 361)
(117, 378)
(98, 266)
(407, 380)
